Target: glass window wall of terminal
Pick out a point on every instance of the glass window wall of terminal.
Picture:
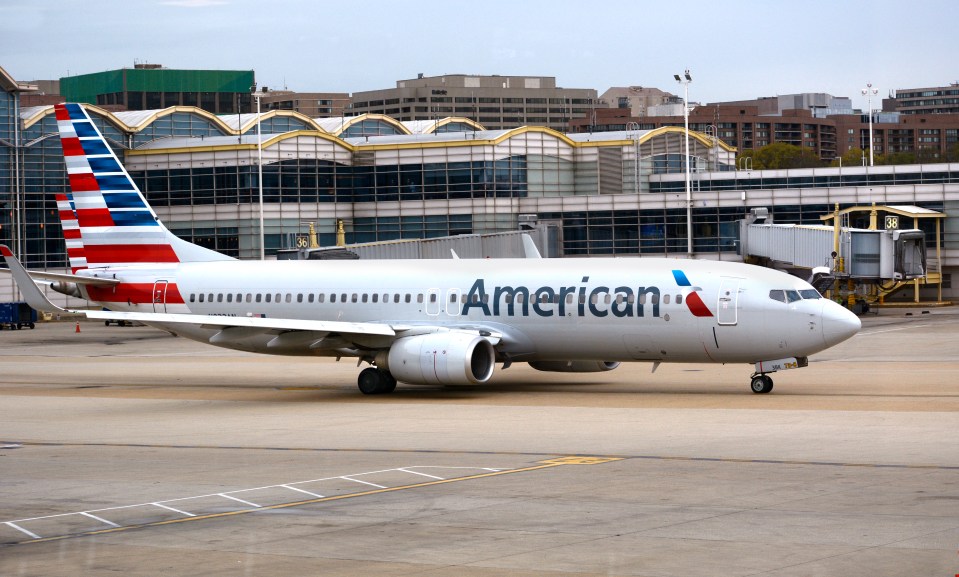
(8, 115)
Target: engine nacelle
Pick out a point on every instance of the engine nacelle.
(573, 366)
(441, 358)
(67, 288)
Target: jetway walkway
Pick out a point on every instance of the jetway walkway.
(853, 264)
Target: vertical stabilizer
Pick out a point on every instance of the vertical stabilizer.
(116, 226)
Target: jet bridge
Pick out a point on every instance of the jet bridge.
(868, 263)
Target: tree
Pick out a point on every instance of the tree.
(782, 155)
(901, 158)
(952, 155)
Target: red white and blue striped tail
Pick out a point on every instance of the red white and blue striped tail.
(71, 232)
(115, 225)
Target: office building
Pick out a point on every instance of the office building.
(496, 102)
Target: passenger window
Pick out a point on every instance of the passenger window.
(280, 296)
(396, 298)
(593, 298)
(229, 298)
(366, 297)
(679, 299)
(210, 297)
(569, 298)
(320, 298)
(810, 294)
(376, 297)
(309, 297)
(201, 297)
(259, 297)
(219, 297)
(452, 297)
(777, 295)
(655, 299)
(299, 297)
(343, 297)
(665, 299)
(419, 298)
(192, 297)
(354, 298)
(268, 297)
(793, 296)
(332, 297)
(408, 297)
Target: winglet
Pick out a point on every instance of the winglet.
(29, 289)
(530, 247)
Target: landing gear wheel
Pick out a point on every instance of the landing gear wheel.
(373, 381)
(761, 384)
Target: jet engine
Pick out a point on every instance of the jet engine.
(573, 366)
(441, 358)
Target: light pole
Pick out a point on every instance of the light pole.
(259, 170)
(685, 80)
(869, 92)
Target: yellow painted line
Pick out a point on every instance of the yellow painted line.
(559, 462)
(577, 460)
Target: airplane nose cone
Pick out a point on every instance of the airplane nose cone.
(838, 323)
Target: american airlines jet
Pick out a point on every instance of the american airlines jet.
(424, 322)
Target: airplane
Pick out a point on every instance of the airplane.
(421, 322)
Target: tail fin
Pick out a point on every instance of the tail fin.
(116, 225)
(71, 232)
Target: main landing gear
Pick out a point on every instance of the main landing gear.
(373, 381)
(761, 383)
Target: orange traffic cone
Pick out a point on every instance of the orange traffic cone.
(78, 326)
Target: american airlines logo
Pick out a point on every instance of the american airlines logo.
(600, 301)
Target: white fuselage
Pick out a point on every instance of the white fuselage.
(615, 309)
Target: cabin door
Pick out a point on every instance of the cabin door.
(728, 304)
(159, 296)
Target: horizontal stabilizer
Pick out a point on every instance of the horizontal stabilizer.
(29, 289)
(74, 278)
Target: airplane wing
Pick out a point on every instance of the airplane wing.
(263, 323)
(314, 332)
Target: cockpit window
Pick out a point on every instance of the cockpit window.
(778, 295)
(793, 296)
(810, 294)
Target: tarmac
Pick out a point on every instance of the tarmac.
(124, 450)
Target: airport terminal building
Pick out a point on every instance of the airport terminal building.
(607, 194)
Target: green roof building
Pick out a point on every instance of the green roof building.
(151, 87)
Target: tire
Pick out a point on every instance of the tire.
(761, 384)
(32, 326)
(370, 382)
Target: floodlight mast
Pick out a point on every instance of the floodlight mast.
(685, 80)
(869, 92)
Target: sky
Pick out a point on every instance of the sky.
(734, 49)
